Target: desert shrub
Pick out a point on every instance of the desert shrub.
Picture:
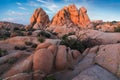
(117, 29)
(43, 33)
(16, 28)
(12, 60)
(54, 33)
(41, 39)
(5, 35)
(22, 29)
(118, 41)
(19, 33)
(114, 22)
(50, 77)
(20, 48)
(34, 45)
(29, 33)
(28, 43)
(64, 37)
(73, 44)
(2, 52)
(78, 44)
(7, 29)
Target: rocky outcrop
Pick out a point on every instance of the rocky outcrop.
(10, 25)
(101, 37)
(95, 73)
(39, 19)
(83, 17)
(108, 57)
(71, 16)
(45, 60)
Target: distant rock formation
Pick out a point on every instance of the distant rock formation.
(68, 16)
(71, 15)
(10, 25)
(39, 19)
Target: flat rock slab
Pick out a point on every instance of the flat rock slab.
(95, 73)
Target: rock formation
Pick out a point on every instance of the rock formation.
(83, 17)
(71, 15)
(39, 19)
(46, 59)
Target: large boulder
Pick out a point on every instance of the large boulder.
(99, 36)
(61, 58)
(43, 61)
(108, 57)
(95, 73)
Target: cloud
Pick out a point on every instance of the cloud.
(18, 3)
(42, 1)
(50, 6)
(20, 20)
(22, 8)
(8, 19)
(33, 4)
(15, 13)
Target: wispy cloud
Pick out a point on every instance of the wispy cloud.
(42, 1)
(18, 3)
(15, 13)
(20, 20)
(22, 8)
(33, 4)
(49, 5)
(8, 19)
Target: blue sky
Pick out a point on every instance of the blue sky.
(19, 11)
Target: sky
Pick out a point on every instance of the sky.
(20, 11)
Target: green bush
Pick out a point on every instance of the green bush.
(16, 28)
(5, 35)
(40, 39)
(29, 33)
(19, 33)
(43, 33)
(20, 48)
(28, 43)
(7, 29)
(50, 77)
(2, 52)
(79, 44)
(117, 29)
(34, 45)
(12, 60)
(73, 44)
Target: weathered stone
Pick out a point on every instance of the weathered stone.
(95, 73)
(43, 61)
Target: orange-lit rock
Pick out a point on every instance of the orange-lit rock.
(70, 14)
(39, 16)
(83, 17)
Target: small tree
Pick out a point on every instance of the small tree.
(117, 29)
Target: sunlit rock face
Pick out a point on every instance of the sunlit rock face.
(39, 18)
(71, 15)
(83, 17)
